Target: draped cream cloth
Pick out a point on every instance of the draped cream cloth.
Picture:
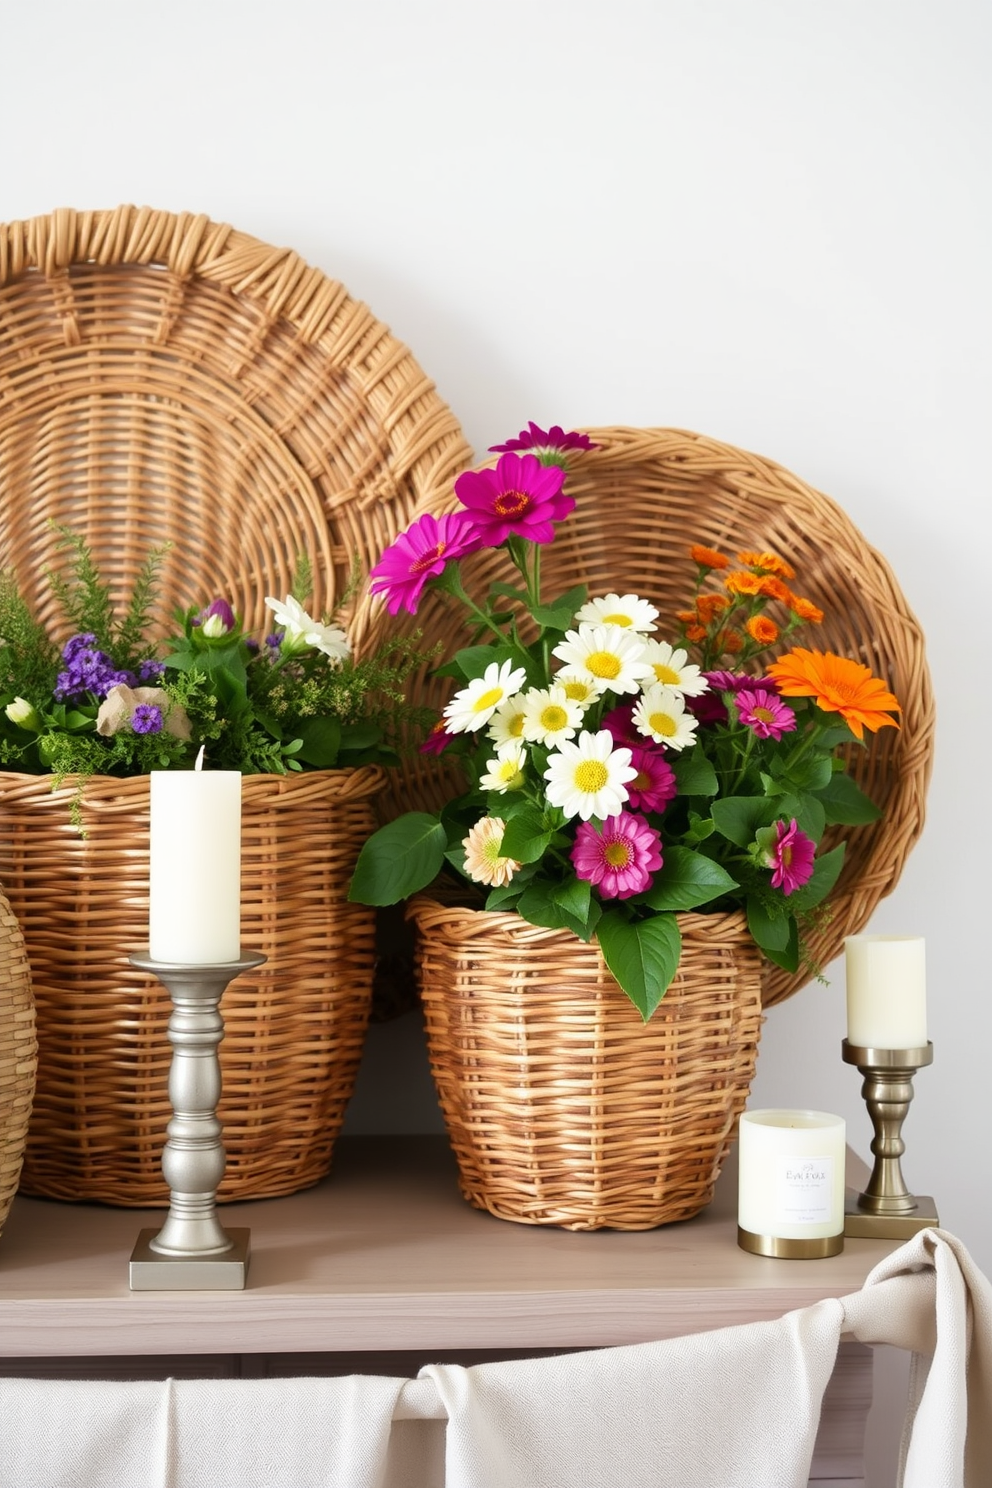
(731, 1408)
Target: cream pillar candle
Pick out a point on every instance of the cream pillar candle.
(791, 1175)
(194, 915)
(886, 991)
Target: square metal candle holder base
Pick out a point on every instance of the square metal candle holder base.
(151, 1271)
(859, 1224)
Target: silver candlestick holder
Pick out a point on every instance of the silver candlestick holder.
(192, 1251)
(887, 1210)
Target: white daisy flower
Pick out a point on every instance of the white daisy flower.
(475, 704)
(550, 715)
(301, 630)
(507, 723)
(589, 777)
(661, 715)
(672, 669)
(612, 656)
(581, 686)
(506, 770)
(625, 610)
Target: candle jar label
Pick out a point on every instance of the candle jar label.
(805, 1189)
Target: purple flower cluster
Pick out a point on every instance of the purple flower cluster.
(146, 719)
(91, 672)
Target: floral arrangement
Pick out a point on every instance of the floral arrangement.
(107, 701)
(617, 776)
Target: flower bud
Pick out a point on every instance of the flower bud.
(217, 620)
(24, 714)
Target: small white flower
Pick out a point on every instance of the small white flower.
(506, 770)
(581, 686)
(23, 713)
(507, 723)
(625, 610)
(475, 704)
(672, 669)
(610, 655)
(302, 630)
(589, 777)
(550, 715)
(660, 714)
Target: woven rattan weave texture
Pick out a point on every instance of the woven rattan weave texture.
(641, 499)
(561, 1105)
(18, 1054)
(166, 378)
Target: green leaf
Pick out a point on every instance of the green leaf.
(777, 936)
(399, 859)
(694, 775)
(826, 871)
(642, 955)
(687, 879)
(505, 897)
(470, 662)
(320, 741)
(807, 810)
(525, 837)
(845, 804)
(738, 817)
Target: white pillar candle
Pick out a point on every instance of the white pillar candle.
(194, 902)
(886, 991)
(791, 1175)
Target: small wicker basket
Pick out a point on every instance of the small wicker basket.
(562, 1107)
(18, 1054)
(294, 1030)
(642, 498)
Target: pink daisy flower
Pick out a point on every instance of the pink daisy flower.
(620, 724)
(654, 784)
(764, 712)
(549, 445)
(792, 856)
(520, 498)
(619, 857)
(419, 554)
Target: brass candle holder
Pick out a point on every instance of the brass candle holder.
(192, 1251)
(886, 1210)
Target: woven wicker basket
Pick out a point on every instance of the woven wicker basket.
(18, 1054)
(641, 499)
(563, 1107)
(294, 1030)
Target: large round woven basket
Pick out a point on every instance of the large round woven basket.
(642, 498)
(165, 378)
(562, 1107)
(18, 1054)
(294, 1029)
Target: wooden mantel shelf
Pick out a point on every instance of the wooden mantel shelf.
(385, 1255)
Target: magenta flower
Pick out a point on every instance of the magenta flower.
(520, 498)
(437, 740)
(764, 713)
(654, 784)
(548, 444)
(792, 856)
(421, 553)
(620, 725)
(619, 857)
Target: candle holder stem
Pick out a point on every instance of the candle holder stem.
(886, 1209)
(192, 1250)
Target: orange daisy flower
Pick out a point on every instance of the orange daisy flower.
(773, 588)
(762, 630)
(839, 686)
(709, 606)
(743, 583)
(708, 557)
(805, 609)
(769, 562)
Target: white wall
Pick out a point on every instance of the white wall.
(765, 221)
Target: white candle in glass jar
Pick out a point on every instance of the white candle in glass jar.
(194, 901)
(791, 1174)
(886, 991)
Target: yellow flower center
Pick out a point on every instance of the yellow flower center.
(516, 729)
(764, 715)
(577, 691)
(426, 560)
(591, 776)
(511, 503)
(603, 664)
(491, 851)
(488, 699)
(616, 620)
(617, 855)
(553, 717)
(666, 675)
(662, 723)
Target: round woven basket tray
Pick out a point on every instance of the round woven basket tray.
(642, 499)
(18, 1054)
(164, 378)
